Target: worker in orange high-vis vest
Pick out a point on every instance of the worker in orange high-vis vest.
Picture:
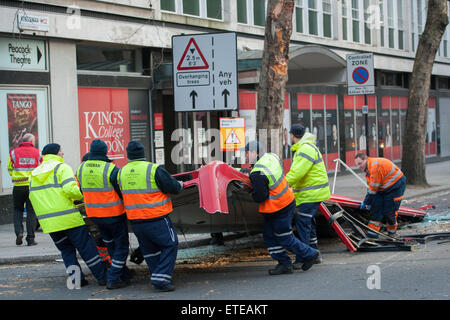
(387, 185)
(103, 202)
(277, 204)
(146, 189)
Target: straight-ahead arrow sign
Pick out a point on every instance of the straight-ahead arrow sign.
(225, 94)
(193, 95)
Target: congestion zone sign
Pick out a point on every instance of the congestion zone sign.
(360, 74)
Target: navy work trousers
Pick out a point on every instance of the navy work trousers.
(305, 224)
(78, 238)
(385, 204)
(159, 246)
(278, 237)
(115, 237)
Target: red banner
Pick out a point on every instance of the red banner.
(22, 117)
(103, 114)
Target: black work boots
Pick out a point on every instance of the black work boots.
(280, 269)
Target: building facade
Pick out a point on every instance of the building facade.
(73, 71)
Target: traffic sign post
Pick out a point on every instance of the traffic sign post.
(205, 72)
(361, 81)
(360, 74)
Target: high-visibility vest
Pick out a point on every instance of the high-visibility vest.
(280, 195)
(381, 174)
(99, 195)
(53, 190)
(141, 195)
(23, 160)
(308, 176)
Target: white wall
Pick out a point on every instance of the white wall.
(64, 100)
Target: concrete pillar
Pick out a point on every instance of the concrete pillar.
(63, 113)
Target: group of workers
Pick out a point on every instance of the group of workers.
(139, 193)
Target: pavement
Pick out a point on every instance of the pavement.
(438, 177)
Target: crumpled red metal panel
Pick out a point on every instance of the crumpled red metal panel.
(213, 179)
(356, 203)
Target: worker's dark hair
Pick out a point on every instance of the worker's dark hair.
(361, 155)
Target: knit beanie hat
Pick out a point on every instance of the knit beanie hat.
(297, 130)
(135, 151)
(98, 147)
(51, 148)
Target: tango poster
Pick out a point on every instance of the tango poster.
(22, 117)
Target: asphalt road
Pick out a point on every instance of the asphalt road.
(419, 274)
(235, 273)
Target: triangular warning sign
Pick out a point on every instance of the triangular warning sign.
(192, 58)
(232, 138)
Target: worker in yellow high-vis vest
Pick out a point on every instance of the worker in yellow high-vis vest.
(53, 190)
(309, 180)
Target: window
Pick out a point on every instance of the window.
(391, 23)
(381, 24)
(344, 20)
(299, 16)
(394, 79)
(400, 24)
(420, 17)
(252, 12)
(367, 28)
(211, 9)
(242, 11)
(191, 7)
(168, 5)
(355, 20)
(413, 28)
(108, 58)
(318, 16)
(259, 13)
(326, 8)
(214, 9)
(312, 17)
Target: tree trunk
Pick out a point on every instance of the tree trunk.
(413, 157)
(274, 70)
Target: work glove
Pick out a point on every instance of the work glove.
(136, 256)
(363, 206)
(181, 184)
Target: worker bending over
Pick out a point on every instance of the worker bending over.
(53, 190)
(277, 204)
(387, 185)
(98, 182)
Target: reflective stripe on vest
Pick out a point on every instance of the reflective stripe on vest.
(53, 209)
(101, 200)
(144, 200)
(388, 179)
(24, 160)
(304, 155)
(280, 195)
(55, 184)
(56, 214)
(319, 160)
